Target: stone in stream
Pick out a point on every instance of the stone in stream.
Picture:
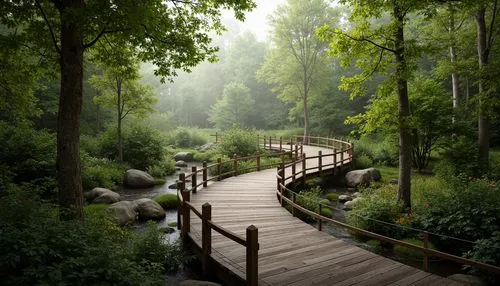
(344, 198)
(101, 196)
(348, 205)
(138, 179)
(183, 156)
(356, 194)
(122, 212)
(148, 209)
(181, 163)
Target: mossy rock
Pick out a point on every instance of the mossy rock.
(326, 212)
(410, 252)
(159, 182)
(167, 201)
(325, 202)
(333, 197)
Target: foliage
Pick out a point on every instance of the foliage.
(362, 162)
(238, 141)
(167, 201)
(101, 172)
(162, 168)
(459, 157)
(486, 250)
(185, 138)
(371, 213)
(410, 252)
(142, 146)
(326, 211)
(27, 156)
(234, 109)
(38, 249)
(309, 199)
(376, 150)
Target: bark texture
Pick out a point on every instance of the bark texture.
(483, 121)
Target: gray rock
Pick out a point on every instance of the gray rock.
(207, 147)
(122, 212)
(148, 209)
(138, 179)
(183, 156)
(197, 283)
(101, 196)
(356, 194)
(362, 177)
(181, 163)
(173, 186)
(467, 279)
(349, 204)
(393, 181)
(344, 198)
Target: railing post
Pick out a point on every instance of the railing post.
(281, 144)
(282, 158)
(281, 181)
(334, 157)
(252, 255)
(265, 142)
(219, 168)
(301, 148)
(304, 167)
(258, 162)
(206, 238)
(342, 156)
(186, 212)
(235, 165)
(216, 137)
(193, 179)
(426, 255)
(320, 162)
(296, 151)
(294, 200)
(293, 173)
(291, 147)
(270, 143)
(320, 222)
(205, 174)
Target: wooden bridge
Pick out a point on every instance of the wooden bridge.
(243, 234)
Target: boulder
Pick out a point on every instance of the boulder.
(356, 194)
(348, 205)
(181, 163)
(101, 196)
(344, 198)
(197, 283)
(207, 147)
(467, 279)
(138, 179)
(148, 209)
(183, 156)
(122, 212)
(362, 177)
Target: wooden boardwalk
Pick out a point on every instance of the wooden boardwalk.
(291, 252)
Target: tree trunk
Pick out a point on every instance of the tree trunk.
(405, 150)
(119, 115)
(306, 108)
(70, 107)
(483, 121)
(455, 80)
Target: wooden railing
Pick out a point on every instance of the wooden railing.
(282, 186)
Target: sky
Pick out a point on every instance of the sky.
(257, 21)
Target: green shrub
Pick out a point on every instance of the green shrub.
(486, 250)
(238, 141)
(309, 199)
(380, 206)
(167, 201)
(162, 168)
(410, 252)
(362, 162)
(102, 173)
(185, 138)
(95, 210)
(326, 211)
(332, 197)
(36, 248)
(460, 157)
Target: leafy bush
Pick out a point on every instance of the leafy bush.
(167, 201)
(380, 206)
(27, 156)
(38, 249)
(162, 168)
(185, 138)
(370, 150)
(142, 146)
(238, 141)
(460, 157)
(309, 199)
(486, 250)
(102, 173)
(327, 212)
(362, 161)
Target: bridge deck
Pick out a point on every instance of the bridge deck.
(291, 251)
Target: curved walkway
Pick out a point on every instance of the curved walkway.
(291, 252)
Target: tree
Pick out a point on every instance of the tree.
(294, 66)
(171, 34)
(235, 107)
(122, 91)
(381, 47)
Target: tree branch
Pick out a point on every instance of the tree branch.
(52, 35)
(369, 41)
